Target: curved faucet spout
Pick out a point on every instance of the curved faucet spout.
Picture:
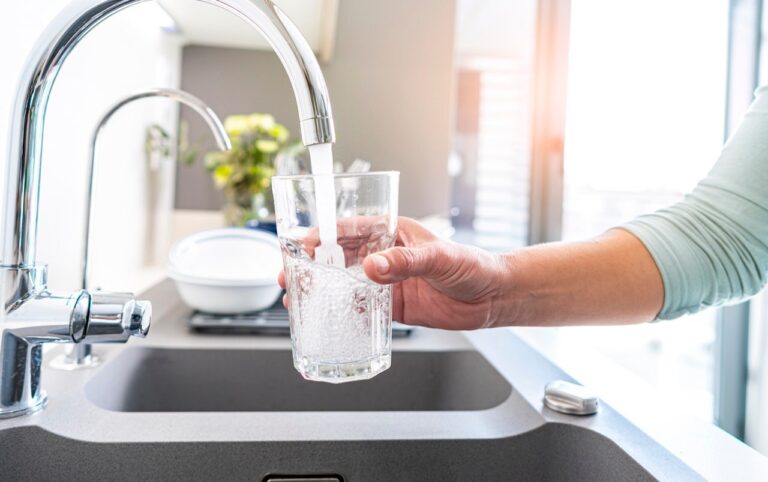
(55, 44)
(185, 98)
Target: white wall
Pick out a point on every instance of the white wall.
(127, 53)
(390, 83)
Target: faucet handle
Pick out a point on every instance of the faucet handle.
(114, 317)
(141, 319)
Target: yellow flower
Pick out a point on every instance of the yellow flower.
(279, 132)
(221, 175)
(267, 146)
(261, 121)
(236, 124)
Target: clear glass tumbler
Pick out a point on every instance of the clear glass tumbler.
(341, 322)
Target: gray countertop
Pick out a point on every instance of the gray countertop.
(71, 414)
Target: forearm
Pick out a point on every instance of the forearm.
(710, 249)
(611, 279)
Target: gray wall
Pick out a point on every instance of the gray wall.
(391, 89)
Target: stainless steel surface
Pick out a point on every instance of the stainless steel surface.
(113, 317)
(570, 398)
(54, 45)
(23, 282)
(47, 317)
(17, 283)
(81, 356)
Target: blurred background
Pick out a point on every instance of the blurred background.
(511, 123)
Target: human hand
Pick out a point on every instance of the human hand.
(437, 283)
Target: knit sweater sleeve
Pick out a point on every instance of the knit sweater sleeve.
(712, 248)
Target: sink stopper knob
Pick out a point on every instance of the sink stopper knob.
(570, 398)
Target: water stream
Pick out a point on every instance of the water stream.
(321, 159)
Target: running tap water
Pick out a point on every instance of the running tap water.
(321, 160)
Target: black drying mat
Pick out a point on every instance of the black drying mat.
(272, 321)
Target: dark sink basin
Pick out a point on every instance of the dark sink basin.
(216, 413)
(196, 380)
(557, 452)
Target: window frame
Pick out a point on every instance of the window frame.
(745, 21)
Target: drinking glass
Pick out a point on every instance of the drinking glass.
(341, 322)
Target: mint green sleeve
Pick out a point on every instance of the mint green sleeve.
(712, 247)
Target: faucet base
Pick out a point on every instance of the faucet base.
(18, 410)
(68, 363)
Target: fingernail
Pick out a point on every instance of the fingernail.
(381, 263)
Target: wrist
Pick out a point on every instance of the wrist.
(509, 298)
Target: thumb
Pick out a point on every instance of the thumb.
(397, 264)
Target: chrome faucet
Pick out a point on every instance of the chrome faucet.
(80, 355)
(32, 315)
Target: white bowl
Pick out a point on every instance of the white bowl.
(227, 271)
(222, 297)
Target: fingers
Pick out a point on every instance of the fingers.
(411, 233)
(281, 282)
(397, 264)
(356, 235)
(398, 302)
(361, 234)
(377, 267)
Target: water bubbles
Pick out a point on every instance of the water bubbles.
(337, 315)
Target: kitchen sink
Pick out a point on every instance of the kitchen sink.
(187, 406)
(148, 379)
(554, 451)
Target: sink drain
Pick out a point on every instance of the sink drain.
(303, 478)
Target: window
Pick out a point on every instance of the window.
(494, 59)
(645, 117)
(644, 123)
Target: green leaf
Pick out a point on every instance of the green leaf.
(188, 157)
